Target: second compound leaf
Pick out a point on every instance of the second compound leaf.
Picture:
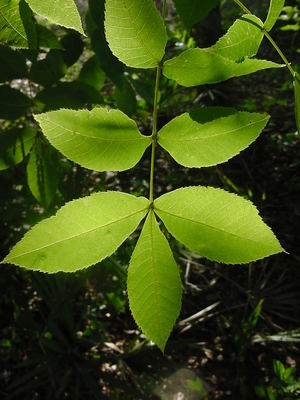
(210, 135)
(135, 32)
(217, 225)
(81, 234)
(154, 285)
(100, 140)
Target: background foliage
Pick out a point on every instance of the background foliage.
(72, 336)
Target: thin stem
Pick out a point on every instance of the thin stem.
(268, 36)
(155, 113)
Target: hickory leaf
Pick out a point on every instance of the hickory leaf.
(101, 140)
(59, 12)
(297, 100)
(15, 144)
(203, 66)
(217, 225)
(17, 28)
(154, 285)
(82, 233)
(42, 173)
(193, 11)
(210, 135)
(242, 40)
(135, 32)
(275, 9)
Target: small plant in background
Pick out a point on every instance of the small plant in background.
(283, 386)
(211, 222)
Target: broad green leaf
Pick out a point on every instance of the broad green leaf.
(13, 103)
(101, 140)
(92, 74)
(217, 225)
(154, 285)
(15, 144)
(135, 32)
(17, 28)
(275, 9)
(203, 66)
(42, 173)
(242, 40)
(210, 135)
(192, 11)
(13, 64)
(125, 97)
(297, 100)
(58, 12)
(81, 234)
(49, 70)
(73, 95)
(46, 39)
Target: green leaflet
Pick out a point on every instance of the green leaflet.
(125, 97)
(193, 11)
(82, 233)
(101, 140)
(217, 225)
(154, 285)
(42, 173)
(275, 9)
(13, 64)
(92, 74)
(242, 40)
(61, 13)
(17, 28)
(203, 66)
(210, 135)
(15, 144)
(49, 70)
(13, 103)
(297, 100)
(135, 32)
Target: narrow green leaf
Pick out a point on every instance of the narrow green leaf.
(16, 25)
(297, 100)
(210, 135)
(42, 173)
(92, 74)
(101, 140)
(13, 64)
(203, 66)
(242, 40)
(135, 32)
(13, 103)
(15, 144)
(154, 285)
(73, 95)
(61, 13)
(191, 12)
(82, 233)
(275, 9)
(217, 225)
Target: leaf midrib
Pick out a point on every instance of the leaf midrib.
(77, 235)
(13, 28)
(212, 227)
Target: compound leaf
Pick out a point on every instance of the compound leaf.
(154, 285)
(13, 103)
(217, 225)
(17, 28)
(203, 66)
(275, 9)
(242, 40)
(15, 144)
(42, 173)
(101, 140)
(135, 32)
(210, 135)
(191, 12)
(61, 13)
(297, 100)
(81, 234)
